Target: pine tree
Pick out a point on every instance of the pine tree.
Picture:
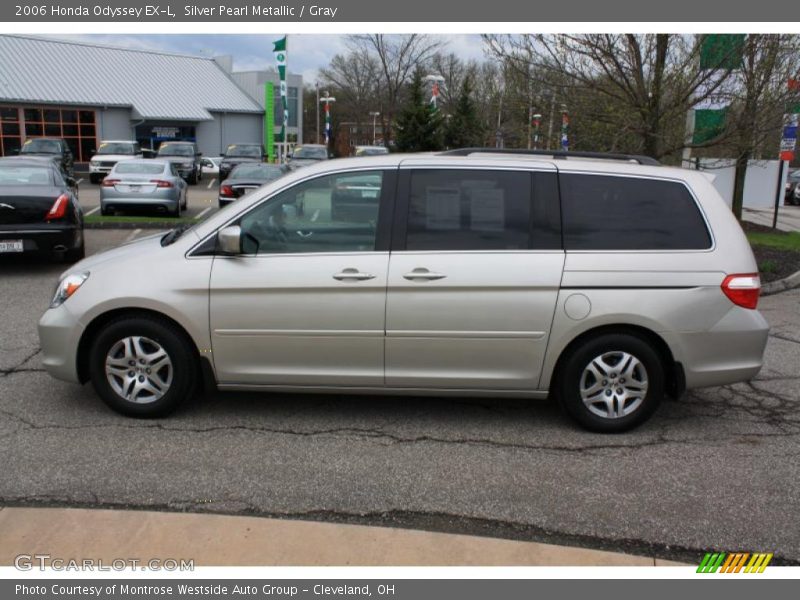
(464, 129)
(418, 125)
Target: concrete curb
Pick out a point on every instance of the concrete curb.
(787, 283)
(227, 540)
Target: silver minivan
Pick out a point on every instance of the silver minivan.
(607, 282)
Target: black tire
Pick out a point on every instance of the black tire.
(104, 211)
(176, 212)
(611, 346)
(179, 349)
(193, 179)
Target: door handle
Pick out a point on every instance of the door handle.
(352, 274)
(424, 274)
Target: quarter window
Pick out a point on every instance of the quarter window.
(625, 213)
(335, 213)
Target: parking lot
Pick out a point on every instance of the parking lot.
(202, 198)
(716, 470)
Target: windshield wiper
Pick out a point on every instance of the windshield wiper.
(173, 234)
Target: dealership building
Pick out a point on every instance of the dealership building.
(85, 93)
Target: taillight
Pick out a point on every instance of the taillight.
(59, 208)
(742, 289)
(226, 190)
(110, 182)
(161, 183)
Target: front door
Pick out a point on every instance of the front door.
(304, 304)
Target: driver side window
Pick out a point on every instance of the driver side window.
(335, 213)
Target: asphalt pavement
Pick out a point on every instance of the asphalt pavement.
(717, 469)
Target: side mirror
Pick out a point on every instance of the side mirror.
(198, 154)
(229, 240)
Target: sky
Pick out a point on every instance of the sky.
(307, 53)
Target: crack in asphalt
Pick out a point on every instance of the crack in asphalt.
(389, 439)
(785, 338)
(18, 368)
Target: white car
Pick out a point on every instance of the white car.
(211, 165)
(109, 154)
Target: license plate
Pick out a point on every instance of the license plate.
(11, 246)
(135, 188)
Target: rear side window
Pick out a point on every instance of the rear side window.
(452, 209)
(624, 213)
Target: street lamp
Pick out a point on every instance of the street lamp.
(374, 115)
(435, 80)
(328, 100)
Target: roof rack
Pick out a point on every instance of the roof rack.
(556, 154)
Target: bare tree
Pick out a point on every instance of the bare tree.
(760, 100)
(354, 79)
(397, 56)
(652, 80)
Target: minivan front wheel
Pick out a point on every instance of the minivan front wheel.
(612, 383)
(142, 366)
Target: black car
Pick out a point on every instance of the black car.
(55, 148)
(185, 157)
(248, 177)
(237, 154)
(39, 211)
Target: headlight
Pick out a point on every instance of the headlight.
(94, 163)
(68, 286)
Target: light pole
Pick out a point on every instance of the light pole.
(537, 124)
(435, 80)
(328, 100)
(374, 114)
(316, 84)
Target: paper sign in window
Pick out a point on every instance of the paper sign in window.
(487, 210)
(442, 208)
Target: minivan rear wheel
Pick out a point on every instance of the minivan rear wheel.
(612, 382)
(142, 366)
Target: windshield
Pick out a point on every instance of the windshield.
(25, 175)
(371, 151)
(310, 152)
(257, 171)
(175, 150)
(116, 148)
(243, 150)
(41, 146)
(139, 168)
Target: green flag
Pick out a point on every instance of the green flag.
(279, 50)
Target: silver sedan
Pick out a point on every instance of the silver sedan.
(143, 183)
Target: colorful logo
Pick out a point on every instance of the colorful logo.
(734, 562)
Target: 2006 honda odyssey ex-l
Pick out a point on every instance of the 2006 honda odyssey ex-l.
(607, 282)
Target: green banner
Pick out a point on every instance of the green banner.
(280, 50)
(722, 51)
(709, 123)
(269, 120)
